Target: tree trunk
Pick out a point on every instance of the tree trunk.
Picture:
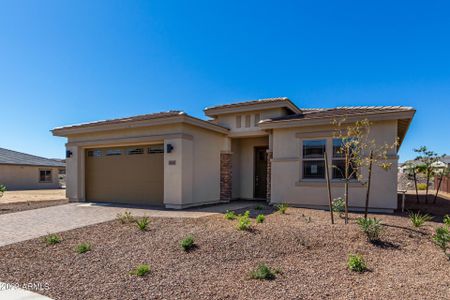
(369, 179)
(415, 185)
(347, 162)
(428, 183)
(437, 190)
(327, 176)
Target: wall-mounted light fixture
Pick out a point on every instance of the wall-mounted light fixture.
(68, 153)
(169, 148)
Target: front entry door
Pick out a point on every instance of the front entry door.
(260, 178)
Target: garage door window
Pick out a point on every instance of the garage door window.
(156, 149)
(95, 153)
(45, 176)
(113, 152)
(135, 151)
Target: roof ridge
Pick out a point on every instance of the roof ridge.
(254, 101)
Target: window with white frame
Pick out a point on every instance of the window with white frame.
(313, 159)
(247, 121)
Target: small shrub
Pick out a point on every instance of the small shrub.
(417, 219)
(83, 247)
(260, 218)
(126, 217)
(2, 189)
(52, 239)
(142, 223)
(259, 207)
(141, 270)
(442, 238)
(338, 205)
(263, 272)
(281, 208)
(230, 215)
(244, 221)
(447, 220)
(371, 227)
(421, 186)
(187, 243)
(308, 219)
(356, 263)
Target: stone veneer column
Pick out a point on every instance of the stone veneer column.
(226, 176)
(269, 173)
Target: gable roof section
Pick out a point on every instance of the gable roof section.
(160, 118)
(266, 103)
(10, 157)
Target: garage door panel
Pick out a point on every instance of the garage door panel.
(125, 178)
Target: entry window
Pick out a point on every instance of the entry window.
(45, 176)
(134, 151)
(113, 152)
(156, 149)
(339, 161)
(238, 121)
(247, 121)
(257, 119)
(313, 159)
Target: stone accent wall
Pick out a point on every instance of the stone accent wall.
(269, 173)
(226, 176)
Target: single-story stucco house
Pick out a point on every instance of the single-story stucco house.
(21, 171)
(264, 149)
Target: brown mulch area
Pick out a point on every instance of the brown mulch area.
(310, 252)
(7, 208)
(438, 210)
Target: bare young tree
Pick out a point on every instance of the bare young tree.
(441, 173)
(360, 151)
(427, 159)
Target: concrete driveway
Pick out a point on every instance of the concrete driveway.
(30, 224)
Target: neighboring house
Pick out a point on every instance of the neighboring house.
(21, 171)
(265, 149)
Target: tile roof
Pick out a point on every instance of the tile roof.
(250, 102)
(11, 157)
(338, 112)
(152, 116)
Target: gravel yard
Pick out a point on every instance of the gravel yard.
(14, 201)
(310, 253)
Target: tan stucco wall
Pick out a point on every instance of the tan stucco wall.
(191, 178)
(243, 165)
(16, 177)
(288, 187)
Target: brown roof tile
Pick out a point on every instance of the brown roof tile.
(339, 112)
(250, 102)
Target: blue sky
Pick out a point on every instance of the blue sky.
(65, 62)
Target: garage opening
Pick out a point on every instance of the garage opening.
(129, 175)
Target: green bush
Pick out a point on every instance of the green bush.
(2, 189)
(371, 227)
(417, 219)
(442, 238)
(83, 247)
(259, 207)
(52, 239)
(263, 272)
(230, 215)
(421, 186)
(338, 205)
(244, 221)
(141, 270)
(142, 223)
(281, 208)
(126, 217)
(260, 218)
(356, 263)
(188, 243)
(447, 220)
